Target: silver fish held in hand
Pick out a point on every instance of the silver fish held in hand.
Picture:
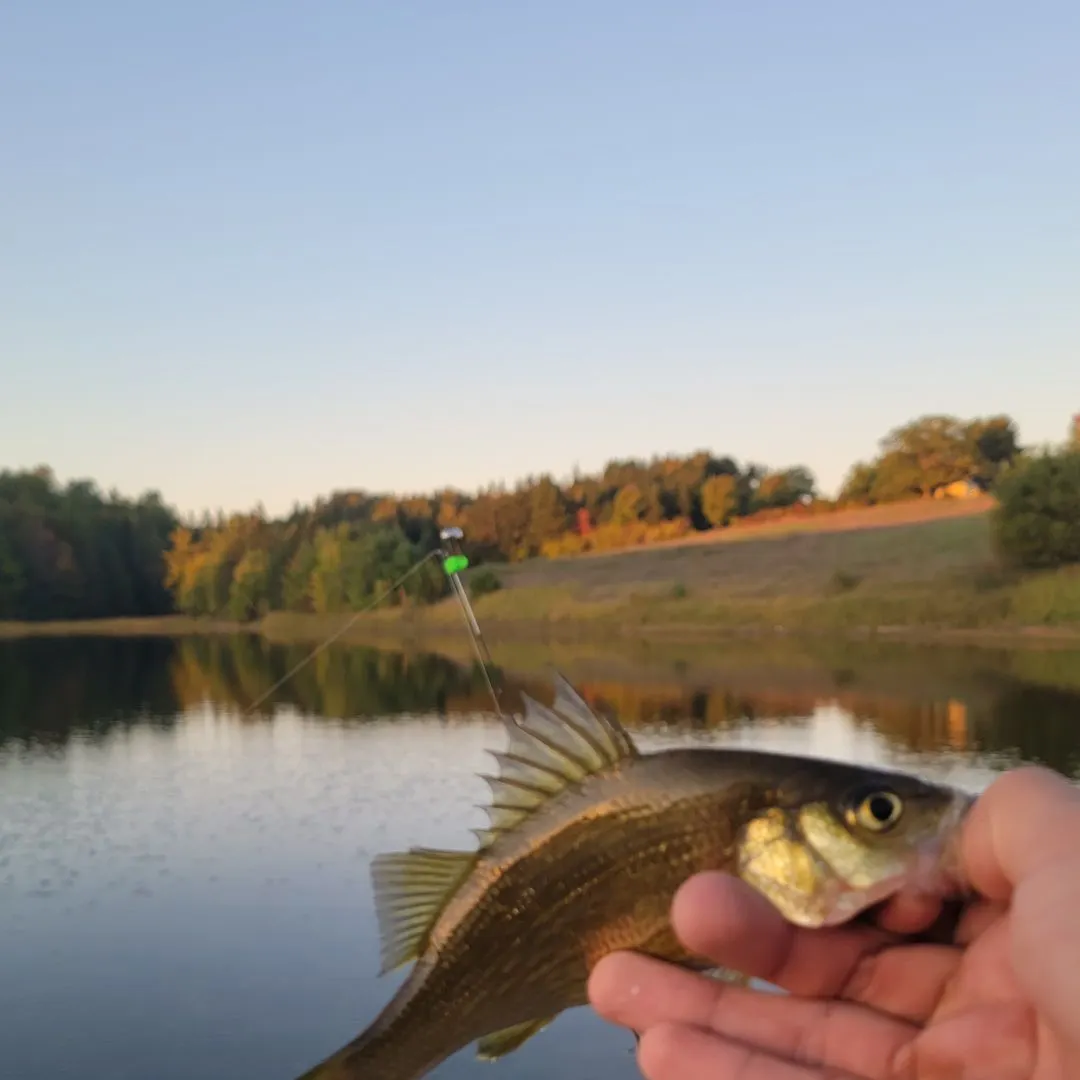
(588, 841)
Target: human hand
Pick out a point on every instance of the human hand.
(1000, 1003)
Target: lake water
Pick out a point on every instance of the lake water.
(184, 887)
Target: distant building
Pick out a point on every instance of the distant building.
(960, 489)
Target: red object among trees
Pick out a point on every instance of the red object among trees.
(584, 522)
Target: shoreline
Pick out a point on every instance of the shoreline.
(413, 629)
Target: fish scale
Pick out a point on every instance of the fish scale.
(587, 843)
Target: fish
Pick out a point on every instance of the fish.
(587, 841)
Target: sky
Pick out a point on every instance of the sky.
(258, 252)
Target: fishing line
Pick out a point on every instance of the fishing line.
(333, 637)
(454, 560)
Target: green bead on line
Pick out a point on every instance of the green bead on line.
(452, 564)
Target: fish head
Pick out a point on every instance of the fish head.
(838, 840)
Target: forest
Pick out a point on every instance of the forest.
(72, 552)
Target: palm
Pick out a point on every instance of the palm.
(859, 1005)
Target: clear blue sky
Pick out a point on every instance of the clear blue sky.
(259, 251)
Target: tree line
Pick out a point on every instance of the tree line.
(73, 552)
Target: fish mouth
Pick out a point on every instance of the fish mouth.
(845, 902)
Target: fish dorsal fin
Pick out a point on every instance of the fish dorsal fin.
(411, 890)
(500, 1043)
(549, 750)
(615, 741)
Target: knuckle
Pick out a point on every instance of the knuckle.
(861, 983)
(811, 1039)
(659, 1052)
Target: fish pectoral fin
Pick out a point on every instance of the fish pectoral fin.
(411, 890)
(711, 971)
(726, 975)
(500, 1043)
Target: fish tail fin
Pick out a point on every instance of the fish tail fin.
(387, 1049)
(351, 1063)
(355, 1062)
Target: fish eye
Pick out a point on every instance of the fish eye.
(877, 811)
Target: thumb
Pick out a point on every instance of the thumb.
(992, 1041)
(1021, 845)
(1045, 945)
(1026, 820)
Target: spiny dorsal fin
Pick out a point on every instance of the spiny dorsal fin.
(500, 1043)
(549, 750)
(411, 890)
(615, 737)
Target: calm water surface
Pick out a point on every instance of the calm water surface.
(184, 888)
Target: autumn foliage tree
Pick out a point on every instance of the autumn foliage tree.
(248, 566)
(343, 551)
(719, 499)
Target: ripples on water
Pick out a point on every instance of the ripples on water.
(184, 891)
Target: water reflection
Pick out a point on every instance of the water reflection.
(1010, 705)
(51, 687)
(339, 682)
(184, 890)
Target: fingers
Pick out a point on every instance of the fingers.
(976, 920)
(994, 1042)
(646, 995)
(1025, 820)
(724, 919)
(678, 1052)
(907, 982)
(909, 913)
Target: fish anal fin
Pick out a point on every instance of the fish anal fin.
(550, 749)
(500, 1043)
(411, 890)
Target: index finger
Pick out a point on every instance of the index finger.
(1025, 820)
(724, 919)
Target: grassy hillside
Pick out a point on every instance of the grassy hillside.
(920, 569)
(907, 542)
